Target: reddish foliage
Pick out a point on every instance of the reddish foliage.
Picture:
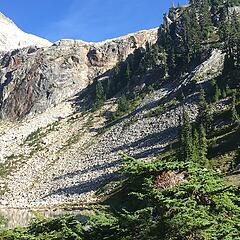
(170, 179)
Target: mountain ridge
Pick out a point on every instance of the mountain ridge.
(69, 109)
(11, 37)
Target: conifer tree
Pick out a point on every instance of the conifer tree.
(205, 19)
(217, 93)
(100, 96)
(205, 115)
(127, 76)
(192, 33)
(196, 156)
(224, 94)
(234, 113)
(186, 138)
(203, 146)
(123, 104)
(128, 72)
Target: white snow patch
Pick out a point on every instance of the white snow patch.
(11, 37)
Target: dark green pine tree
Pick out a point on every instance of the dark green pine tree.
(191, 34)
(100, 96)
(127, 76)
(166, 42)
(224, 94)
(204, 115)
(203, 146)
(234, 114)
(205, 20)
(128, 72)
(186, 38)
(186, 140)
(235, 39)
(217, 93)
(123, 104)
(109, 88)
(216, 7)
(196, 155)
(113, 82)
(229, 32)
(224, 27)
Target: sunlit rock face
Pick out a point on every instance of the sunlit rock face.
(55, 152)
(34, 79)
(38, 85)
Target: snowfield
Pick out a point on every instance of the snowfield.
(11, 37)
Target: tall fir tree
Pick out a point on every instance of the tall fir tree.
(234, 114)
(100, 96)
(217, 93)
(191, 34)
(196, 155)
(203, 146)
(186, 138)
(205, 20)
(204, 115)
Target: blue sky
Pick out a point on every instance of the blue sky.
(88, 20)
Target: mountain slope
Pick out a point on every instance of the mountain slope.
(81, 104)
(11, 37)
(34, 79)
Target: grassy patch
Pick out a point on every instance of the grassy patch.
(75, 138)
(131, 121)
(234, 179)
(11, 164)
(103, 130)
(34, 139)
(125, 106)
(223, 162)
(89, 122)
(224, 143)
(159, 110)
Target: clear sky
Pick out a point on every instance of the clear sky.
(88, 20)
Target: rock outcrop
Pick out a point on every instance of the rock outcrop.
(34, 79)
(57, 154)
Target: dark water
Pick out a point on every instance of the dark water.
(22, 217)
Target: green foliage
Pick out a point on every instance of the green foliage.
(197, 207)
(160, 109)
(183, 43)
(186, 140)
(204, 115)
(65, 227)
(125, 105)
(216, 92)
(155, 57)
(234, 114)
(203, 146)
(193, 142)
(196, 148)
(205, 20)
(200, 205)
(237, 159)
(100, 96)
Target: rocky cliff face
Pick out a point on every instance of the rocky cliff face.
(34, 79)
(57, 154)
(38, 85)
